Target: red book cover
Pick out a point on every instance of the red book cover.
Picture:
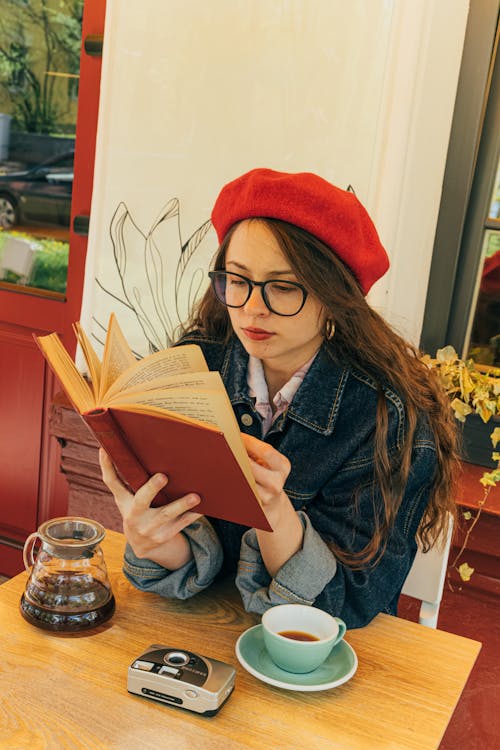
(193, 458)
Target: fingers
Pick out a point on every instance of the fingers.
(147, 493)
(143, 497)
(255, 448)
(178, 523)
(270, 484)
(151, 529)
(266, 456)
(152, 532)
(109, 475)
(183, 505)
(178, 514)
(269, 467)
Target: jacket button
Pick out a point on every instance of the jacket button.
(246, 419)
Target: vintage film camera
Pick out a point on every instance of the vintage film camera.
(181, 678)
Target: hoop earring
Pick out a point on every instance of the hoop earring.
(329, 329)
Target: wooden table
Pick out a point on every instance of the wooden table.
(71, 691)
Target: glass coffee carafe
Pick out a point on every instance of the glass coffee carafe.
(68, 588)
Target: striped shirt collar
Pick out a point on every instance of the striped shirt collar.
(258, 389)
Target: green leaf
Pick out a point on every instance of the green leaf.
(495, 436)
(490, 478)
(461, 410)
(465, 571)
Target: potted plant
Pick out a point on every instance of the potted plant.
(473, 389)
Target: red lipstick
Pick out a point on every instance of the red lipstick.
(257, 334)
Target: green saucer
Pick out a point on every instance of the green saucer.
(337, 669)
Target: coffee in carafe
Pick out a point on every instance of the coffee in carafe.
(68, 588)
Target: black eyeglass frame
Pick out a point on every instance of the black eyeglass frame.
(262, 284)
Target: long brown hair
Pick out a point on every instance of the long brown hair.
(364, 341)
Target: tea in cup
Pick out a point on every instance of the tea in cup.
(299, 638)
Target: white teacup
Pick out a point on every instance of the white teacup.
(299, 638)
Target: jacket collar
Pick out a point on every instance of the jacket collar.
(317, 401)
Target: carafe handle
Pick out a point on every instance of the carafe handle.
(28, 563)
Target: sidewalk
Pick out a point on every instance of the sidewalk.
(475, 724)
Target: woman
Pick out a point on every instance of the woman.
(351, 441)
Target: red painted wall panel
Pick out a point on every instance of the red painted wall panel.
(31, 486)
(21, 410)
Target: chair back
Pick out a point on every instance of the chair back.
(18, 256)
(426, 578)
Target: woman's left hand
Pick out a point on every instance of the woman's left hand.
(271, 469)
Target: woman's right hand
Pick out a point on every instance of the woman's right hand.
(153, 533)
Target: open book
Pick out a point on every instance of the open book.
(165, 413)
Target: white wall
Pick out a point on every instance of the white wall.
(195, 93)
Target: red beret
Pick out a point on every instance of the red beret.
(333, 215)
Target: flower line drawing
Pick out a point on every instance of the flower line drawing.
(159, 298)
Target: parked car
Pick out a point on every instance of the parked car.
(38, 196)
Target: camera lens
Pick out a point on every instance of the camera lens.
(178, 658)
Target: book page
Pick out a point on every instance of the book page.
(155, 388)
(91, 358)
(232, 433)
(197, 404)
(212, 408)
(117, 356)
(163, 364)
(77, 390)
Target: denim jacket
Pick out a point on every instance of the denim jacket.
(327, 432)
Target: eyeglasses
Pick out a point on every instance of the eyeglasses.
(280, 297)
